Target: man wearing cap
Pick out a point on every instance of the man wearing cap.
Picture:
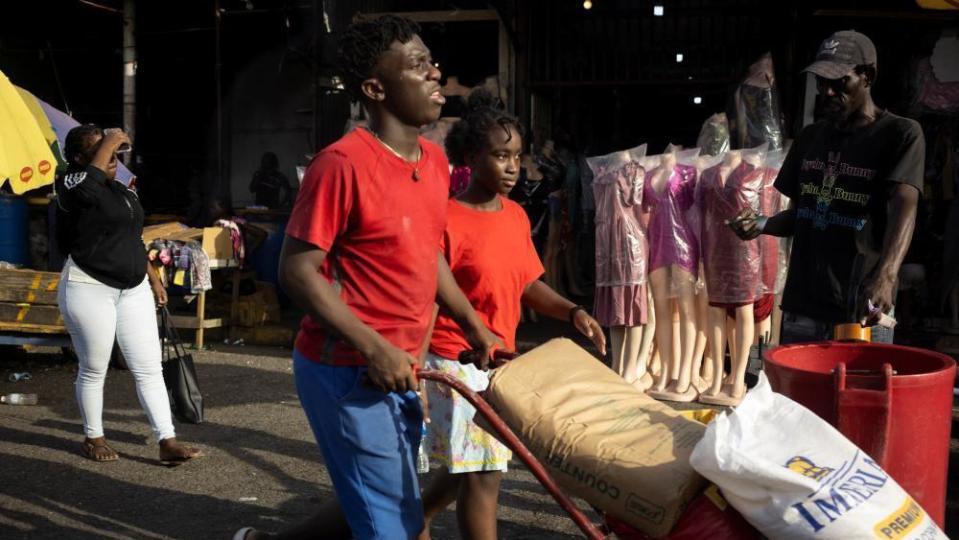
(854, 178)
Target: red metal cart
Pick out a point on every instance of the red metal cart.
(702, 520)
(505, 434)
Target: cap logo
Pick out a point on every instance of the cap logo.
(829, 47)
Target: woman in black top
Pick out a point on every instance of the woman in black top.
(107, 289)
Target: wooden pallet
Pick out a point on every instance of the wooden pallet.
(28, 302)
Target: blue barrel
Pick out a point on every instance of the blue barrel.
(266, 260)
(13, 230)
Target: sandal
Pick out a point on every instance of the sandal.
(90, 450)
(192, 453)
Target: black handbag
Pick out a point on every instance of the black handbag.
(179, 374)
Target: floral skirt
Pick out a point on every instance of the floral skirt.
(454, 439)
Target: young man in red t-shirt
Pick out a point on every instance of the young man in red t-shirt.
(361, 258)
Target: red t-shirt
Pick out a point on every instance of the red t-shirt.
(380, 228)
(493, 259)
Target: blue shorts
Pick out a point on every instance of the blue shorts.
(369, 440)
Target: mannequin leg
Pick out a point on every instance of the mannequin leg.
(659, 282)
(735, 384)
(617, 340)
(644, 379)
(677, 350)
(655, 363)
(699, 351)
(717, 344)
(731, 335)
(679, 331)
(686, 303)
(631, 348)
(776, 321)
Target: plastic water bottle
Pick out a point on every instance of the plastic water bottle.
(19, 399)
(423, 457)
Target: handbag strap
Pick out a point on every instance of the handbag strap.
(171, 334)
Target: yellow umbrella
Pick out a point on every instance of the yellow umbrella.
(45, 126)
(26, 160)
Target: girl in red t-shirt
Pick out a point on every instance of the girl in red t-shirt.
(490, 251)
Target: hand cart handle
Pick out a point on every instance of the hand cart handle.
(506, 435)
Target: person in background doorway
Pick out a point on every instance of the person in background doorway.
(270, 187)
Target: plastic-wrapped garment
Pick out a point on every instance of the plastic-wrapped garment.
(620, 238)
(672, 238)
(459, 180)
(713, 138)
(694, 216)
(732, 266)
(757, 118)
(769, 245)
(933, 95)
(769, 205)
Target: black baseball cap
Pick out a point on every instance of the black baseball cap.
(841, 52)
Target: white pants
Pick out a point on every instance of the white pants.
(94, 314)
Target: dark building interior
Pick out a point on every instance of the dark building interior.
(606, 77)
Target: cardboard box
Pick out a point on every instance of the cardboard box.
(599, 437)
(216, 241)
(163, 231)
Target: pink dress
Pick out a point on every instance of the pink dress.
(769, 203)
(671, 233)
(732, 266)
(620, 298)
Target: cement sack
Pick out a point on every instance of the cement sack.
(600, 438)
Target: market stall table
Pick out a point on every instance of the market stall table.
(199, 322)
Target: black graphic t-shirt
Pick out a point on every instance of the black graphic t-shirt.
(840, 183)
